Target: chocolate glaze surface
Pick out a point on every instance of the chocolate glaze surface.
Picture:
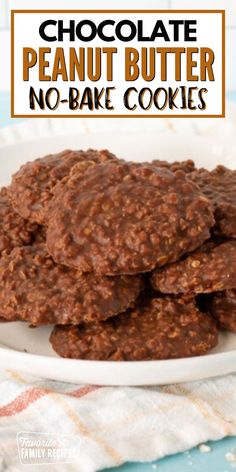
(219, 185)
(210, 268)
(15, 231)
(160, 328)
(32, 186)
(35, 289)
(125, 218)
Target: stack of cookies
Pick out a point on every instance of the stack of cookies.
(129, 261)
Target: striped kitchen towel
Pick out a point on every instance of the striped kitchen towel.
(87, 428)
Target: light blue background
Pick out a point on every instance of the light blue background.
(189, 461)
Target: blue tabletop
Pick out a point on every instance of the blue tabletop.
(217, 459)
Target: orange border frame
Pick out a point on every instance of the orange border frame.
(13, 115)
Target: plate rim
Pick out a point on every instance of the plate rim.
(119, 374)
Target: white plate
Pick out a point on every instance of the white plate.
(28, 350)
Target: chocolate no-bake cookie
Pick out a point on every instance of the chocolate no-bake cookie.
(219, 185)
(35, 289)
(208, 269)
(32, 186)
(14, 230)
(186, 166)
(126, 218)
(161, 328)
(222, 306)
(71, 181)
